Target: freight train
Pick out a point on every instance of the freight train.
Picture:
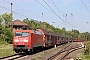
(29, 40)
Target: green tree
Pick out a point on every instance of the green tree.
(5, 18)
(63, 31)
(44, 25)
(8, 35)
(5, 33)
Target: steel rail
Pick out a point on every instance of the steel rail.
(12, 57)
(61, 51)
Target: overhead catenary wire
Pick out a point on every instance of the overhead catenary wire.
(54, 5)
(40, 4)
(12, 11)
(48, 9)
(56, 13)
(24, 10)
(21, 9)
(85, 5)
(44, 6)
(59, 11)
(33, 14)
(51, 11)
(88, 1)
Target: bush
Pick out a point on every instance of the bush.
(9, 35)
(87, 48)
(6, 35)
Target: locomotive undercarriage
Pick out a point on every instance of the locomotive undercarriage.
(21, 48)
(24, 49)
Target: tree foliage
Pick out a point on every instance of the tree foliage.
(44, 25)
(5, 33)
(5, 18)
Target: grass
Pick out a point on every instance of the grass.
(6, 50)
(83, 57)
(86, 54)
(42, 54)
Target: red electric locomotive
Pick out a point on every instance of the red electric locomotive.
(26, 40)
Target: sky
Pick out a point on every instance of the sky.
(71, 14)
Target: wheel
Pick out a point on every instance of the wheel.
(17, 51)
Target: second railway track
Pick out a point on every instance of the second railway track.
(65, 51)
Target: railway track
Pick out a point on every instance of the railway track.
(65, 51)
(61, 51)
(14, 57)
(58, 56)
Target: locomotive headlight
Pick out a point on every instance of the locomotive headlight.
(16, 40)
(25, 40)
(15, 43)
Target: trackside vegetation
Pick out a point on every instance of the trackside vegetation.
(5, 32)
(6, 50)
(86, 54)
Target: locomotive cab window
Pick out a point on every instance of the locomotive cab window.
(22, 34)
